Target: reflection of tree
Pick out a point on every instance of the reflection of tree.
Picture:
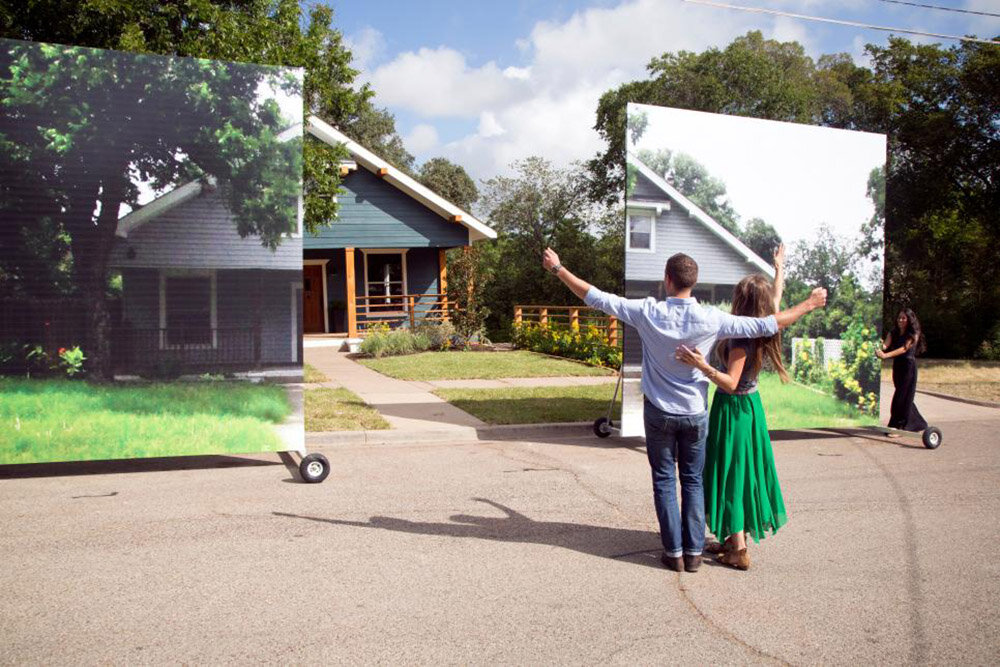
(82, 126)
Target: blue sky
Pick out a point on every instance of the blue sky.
(487, 83)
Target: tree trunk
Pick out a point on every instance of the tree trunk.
(91, 252)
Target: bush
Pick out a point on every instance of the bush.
(856, 377)
(588, 345)
(440, 336)
(989, 349)
(380, 341)
(810, 366)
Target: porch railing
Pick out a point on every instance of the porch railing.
(571, 317)
(401, 309)
(195, 348)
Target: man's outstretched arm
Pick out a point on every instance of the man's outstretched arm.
(578, 286)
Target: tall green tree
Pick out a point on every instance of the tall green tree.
(82, 127)
(449, 180)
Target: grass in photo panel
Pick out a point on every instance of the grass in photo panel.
(727, 190)
(151, 253)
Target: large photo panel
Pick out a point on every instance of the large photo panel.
(729, 190)
(150, 255)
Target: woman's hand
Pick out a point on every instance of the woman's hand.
(690, 357)
(880, 354)
(779, 256)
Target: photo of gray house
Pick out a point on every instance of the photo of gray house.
(660, 221)
(196, 296)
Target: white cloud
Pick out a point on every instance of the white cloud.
(421, 139)
(366, 47)
(545, 105)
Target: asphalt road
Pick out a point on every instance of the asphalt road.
(510, 551)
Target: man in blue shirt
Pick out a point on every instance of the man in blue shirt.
(675, 410)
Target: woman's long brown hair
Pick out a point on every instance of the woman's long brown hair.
(754, 297)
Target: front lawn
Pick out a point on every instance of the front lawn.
(792, 406)
(311, 374)
(58, 420)
(340, 410)
(788, 406)
(534, 405)
(462, 365)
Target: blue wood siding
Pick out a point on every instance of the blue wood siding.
(376, 214)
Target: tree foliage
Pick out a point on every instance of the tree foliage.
(449, 180)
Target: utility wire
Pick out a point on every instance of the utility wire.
(944, 9)
(855, 24)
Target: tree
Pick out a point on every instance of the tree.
(84, 126)
(760, 237)
(450, 181)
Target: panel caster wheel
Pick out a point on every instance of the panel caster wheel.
(314, 468)
(602, 427)
(932, 437)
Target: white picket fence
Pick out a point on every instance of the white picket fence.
(832, 349)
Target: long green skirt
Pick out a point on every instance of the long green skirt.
(741, 484)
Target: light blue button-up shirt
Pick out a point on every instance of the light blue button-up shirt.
(671, 385)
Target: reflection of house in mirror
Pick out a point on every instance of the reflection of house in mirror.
(660, 221)
(196, 296)
(383, 259)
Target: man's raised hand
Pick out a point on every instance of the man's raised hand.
(818, 298)
(549, 259)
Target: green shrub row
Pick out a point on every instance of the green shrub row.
(588, 344)
(381, 341)
(854, 378)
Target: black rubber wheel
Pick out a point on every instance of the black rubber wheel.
(602, 427)
(314, 468)
(932, 437)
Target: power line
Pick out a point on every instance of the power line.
(854, 24)
(944, 9)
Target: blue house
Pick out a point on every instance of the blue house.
(383, 259)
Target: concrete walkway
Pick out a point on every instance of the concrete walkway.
(405, 405)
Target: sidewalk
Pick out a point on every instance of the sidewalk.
(405, 405)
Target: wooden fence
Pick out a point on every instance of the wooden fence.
(571, 317)
(398, 309)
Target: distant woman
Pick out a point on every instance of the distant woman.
(742, 494)
(902, 344)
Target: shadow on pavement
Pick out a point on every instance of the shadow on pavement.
(637, 546)
(70, 468)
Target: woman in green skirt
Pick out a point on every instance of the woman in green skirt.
(742, 494)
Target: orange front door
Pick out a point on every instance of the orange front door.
(312, 299)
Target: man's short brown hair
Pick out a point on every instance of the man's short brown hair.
(682, 271)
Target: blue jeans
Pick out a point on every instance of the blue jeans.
(677, 442)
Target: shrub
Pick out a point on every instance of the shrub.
(809, 367)
(71, 360)
(989, 349)
(588, 344)
(440, 336)
(856, 377)
(381, 341)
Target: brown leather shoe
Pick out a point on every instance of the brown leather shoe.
(716, 548)
(671, 562)
(692, 563)
(738, 559)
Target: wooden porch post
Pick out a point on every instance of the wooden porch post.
(574, 319)
(543, 316)
(352, 302)
(410, 308)
(518, 314)
(443, 281)
(612, 331)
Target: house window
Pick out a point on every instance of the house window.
(641, 229)
(187, 310)
(385, 278)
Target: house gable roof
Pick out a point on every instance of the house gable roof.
(695, 212)
(410, 186)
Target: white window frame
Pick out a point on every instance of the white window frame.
(213, 305)
(652, 230)
(406, 289)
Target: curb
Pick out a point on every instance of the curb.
(959, 399)
(448, 435)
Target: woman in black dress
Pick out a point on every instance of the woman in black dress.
(902, 344)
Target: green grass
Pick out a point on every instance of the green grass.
(312, 374)
(791, 406)
(461, 365)
(58, 420)
(787, 407)
(534, 405)
(340, 410)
